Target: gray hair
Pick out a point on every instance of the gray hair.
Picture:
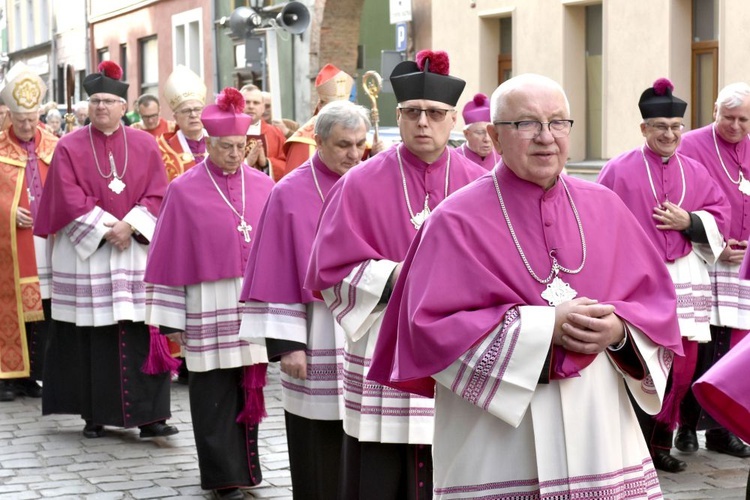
(733, 95)
(81, 105)
(500, 95)
(347, 114)
(54, 113)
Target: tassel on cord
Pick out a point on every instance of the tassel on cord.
(159, 358)
(253, 381)
(683, 369)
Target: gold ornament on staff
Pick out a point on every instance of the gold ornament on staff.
(70, 83)
(372, 83)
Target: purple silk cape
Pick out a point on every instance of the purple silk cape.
(724, 390)
(699, 145)
(196, 238)
(626, 175)
(463, 273)
(74, 187)
(365, 215)
(281, 251)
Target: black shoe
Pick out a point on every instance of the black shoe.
(666, 462)
(228, 494)
(92, 430)
(27, 387)
(6, 391)
(158, 429)
(686, 440)
(723, 441)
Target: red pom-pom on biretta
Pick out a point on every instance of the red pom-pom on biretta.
(479, 99)
(438, 61)
(662, 85)
(110, 69)
(230, 99)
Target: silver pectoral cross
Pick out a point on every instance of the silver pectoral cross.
(28, 193)
(245, 229)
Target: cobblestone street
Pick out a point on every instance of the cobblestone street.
(49, 458)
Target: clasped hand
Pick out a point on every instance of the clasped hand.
(119, 234)
(586, 326)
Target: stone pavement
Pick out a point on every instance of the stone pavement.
(49, 458)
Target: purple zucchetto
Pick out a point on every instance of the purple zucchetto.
(226, 117)
(477, 110)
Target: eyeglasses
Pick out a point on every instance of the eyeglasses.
(107, 102)
(189, 111)
(663, 127)
(433, 114)
(482, 132)
(529, 129)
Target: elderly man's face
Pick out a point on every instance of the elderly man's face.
(733, 124)
(149, 114)
(105, 111)
(478, 139)
(254, 106)
(188, 117)
(81, 115)
(425, 127)
(539, 159)
(343, 148)
(227, 152)
(24, 124)
(662, 135)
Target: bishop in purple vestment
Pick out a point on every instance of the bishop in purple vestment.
(723, 147)
(194, 276)
(526, 304)
(369, 218)
(478, 146)
(101, 199)
(685, 215)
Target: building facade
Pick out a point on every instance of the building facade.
(604, 53)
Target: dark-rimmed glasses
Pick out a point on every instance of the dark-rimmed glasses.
(433, 114)
(529, 129)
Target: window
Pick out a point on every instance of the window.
(149, 57)
(187, 40)
(29, 23)
(705, 61)
(18, 28)
(45, 31)
(505, 58)
(102, 55)
(124, 61)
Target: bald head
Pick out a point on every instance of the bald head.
(526, 83)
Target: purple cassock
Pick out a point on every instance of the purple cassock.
(286, 236)
(185, 256)
(724, 390)
(75, 190)
(370, 222)
(699, 144)
(463, 273)
(488, 162)
(682, 181)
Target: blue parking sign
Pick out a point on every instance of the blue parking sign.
(401, 37)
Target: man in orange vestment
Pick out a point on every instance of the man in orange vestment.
(25, 153)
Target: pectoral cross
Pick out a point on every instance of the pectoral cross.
(245, 229)
(31, 197)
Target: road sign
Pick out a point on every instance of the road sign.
(401, 37)
(400, 11)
